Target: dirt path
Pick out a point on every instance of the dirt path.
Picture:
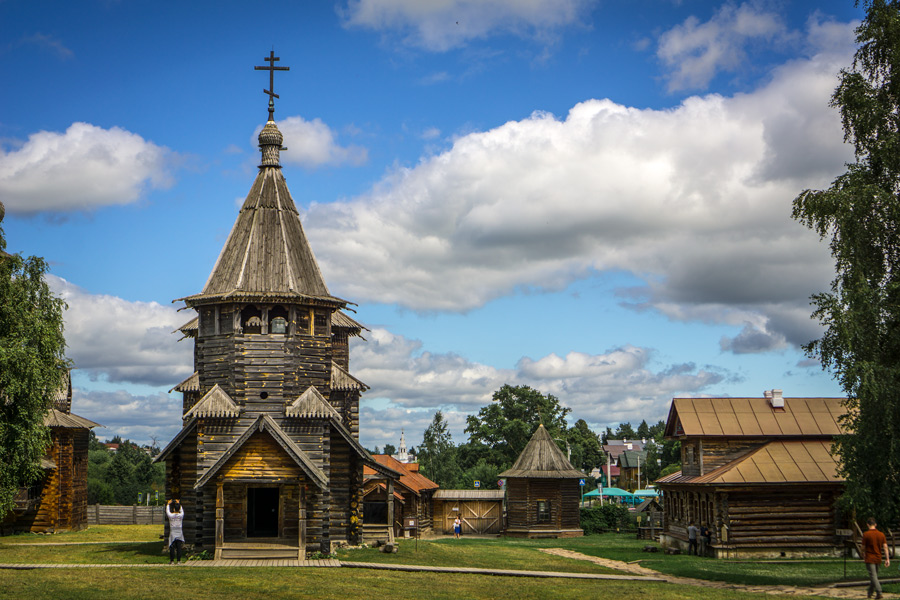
(787, 590)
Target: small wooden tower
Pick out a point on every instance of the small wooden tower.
(58, 501)
(542, 491)
(269, 452)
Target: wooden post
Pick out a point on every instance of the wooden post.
(390, 508)
(220, 519)
(301, 553)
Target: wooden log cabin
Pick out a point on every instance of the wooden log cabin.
(758, 471)
(543, 491)
(58, 501)
(268, 461)
(411, 496)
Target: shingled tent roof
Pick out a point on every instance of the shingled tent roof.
(542, 458)
(267, 255)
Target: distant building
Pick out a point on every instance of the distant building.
(411, 496)
(615, 448)
(58, 501)
(403, 455)
(630, 464)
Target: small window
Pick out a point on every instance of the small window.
(321, 323)
(543, 511)
(279, 325)
(302, 322)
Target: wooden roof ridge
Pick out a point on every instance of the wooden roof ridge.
(67, 420)
(191, 384)
(267, 252)
(542, 458)
(341, 379)
(311, 404)
(216, 403)
(265, 423)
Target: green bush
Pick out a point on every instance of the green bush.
(597, 519)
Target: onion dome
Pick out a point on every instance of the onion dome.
(270, 140)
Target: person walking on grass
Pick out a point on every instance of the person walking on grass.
(692, 538)
(176, 535)
(457, 527)
(875, 549)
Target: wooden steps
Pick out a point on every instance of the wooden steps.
(259, 549)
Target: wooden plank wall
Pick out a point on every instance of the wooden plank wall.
(564, 497)
(103, 514)
(779, 516)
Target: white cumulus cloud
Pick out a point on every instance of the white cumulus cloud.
(440, 26)
(83, 168)
(694, 200)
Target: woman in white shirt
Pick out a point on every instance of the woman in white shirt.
(176, 536)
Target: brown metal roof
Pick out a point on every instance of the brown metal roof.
(754, 417)
(542, 458)
(778, 462)
(267, 254)
(412, 480)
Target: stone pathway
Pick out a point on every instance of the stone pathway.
(831, 591)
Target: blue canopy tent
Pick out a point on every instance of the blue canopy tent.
(624, 497)
(647, 493)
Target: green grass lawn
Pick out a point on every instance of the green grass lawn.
(135, 544)
(326, 584)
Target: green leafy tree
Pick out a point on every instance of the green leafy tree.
(390, 449)
(860, 213)
(586, 451)
(32, 368)
(437, 454)
(509, 421)
(643, 431)
(625, 432)
(483, 471)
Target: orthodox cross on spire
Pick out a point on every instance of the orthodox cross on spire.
(271, 68)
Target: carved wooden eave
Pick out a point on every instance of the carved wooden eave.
(342, 380)
(265, 423)
(341, 320)
(215, 404)
(191, 384)
(311, 405)
(189, 329)
(267, 254)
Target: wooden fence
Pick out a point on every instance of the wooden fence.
(99, 514)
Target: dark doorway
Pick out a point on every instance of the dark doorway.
(375, 513)
(262, 512)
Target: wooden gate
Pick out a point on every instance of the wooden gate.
(477, 516)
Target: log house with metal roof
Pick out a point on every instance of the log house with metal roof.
(758, 471)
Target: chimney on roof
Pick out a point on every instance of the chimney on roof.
(775, 398)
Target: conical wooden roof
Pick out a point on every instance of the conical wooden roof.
(542, 458)
(267, 255)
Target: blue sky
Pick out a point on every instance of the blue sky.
(590, 198)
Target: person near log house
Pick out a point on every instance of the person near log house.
(705, 539)
(176, 536)
(692, 538)
(457, 527)
(874, 546)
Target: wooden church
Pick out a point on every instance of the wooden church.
(268, 456)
